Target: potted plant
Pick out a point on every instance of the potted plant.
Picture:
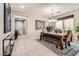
(77, 31)
(49, 28)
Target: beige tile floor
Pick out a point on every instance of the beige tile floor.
(29, 47)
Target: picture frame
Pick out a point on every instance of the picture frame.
(7, 17)
(40, 24)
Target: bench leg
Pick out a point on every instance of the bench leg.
(57, 44)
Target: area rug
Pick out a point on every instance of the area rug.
(69, 51)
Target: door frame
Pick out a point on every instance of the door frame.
(25, 24)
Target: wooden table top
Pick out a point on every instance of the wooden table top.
(54, 34)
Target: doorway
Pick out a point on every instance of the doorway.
(20, 26)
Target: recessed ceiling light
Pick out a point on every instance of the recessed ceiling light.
(22, 6)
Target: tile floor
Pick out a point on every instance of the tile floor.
(29, 47)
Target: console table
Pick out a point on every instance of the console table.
(8, 43)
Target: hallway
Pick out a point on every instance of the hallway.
(32, 48)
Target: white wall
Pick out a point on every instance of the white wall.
(32, 32)
(1, 27)
(30, 23)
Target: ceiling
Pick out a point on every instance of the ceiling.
(42, 9)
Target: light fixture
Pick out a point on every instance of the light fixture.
(49, 20)
(52, 19)
(22, 7)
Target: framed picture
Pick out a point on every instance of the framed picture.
(40, 24)
(7, 18)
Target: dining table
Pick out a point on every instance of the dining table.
(58, 36)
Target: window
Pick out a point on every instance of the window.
(59, 24)
(66, 23)
(69, 24)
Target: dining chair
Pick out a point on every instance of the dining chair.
(67, 39)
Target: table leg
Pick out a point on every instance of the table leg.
(40, 37)
(69, 44)
(61, 44)
(57, 44)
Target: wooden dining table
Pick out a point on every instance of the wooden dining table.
(58, 36)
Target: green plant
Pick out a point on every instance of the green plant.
(49, 28)
(77, 28)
